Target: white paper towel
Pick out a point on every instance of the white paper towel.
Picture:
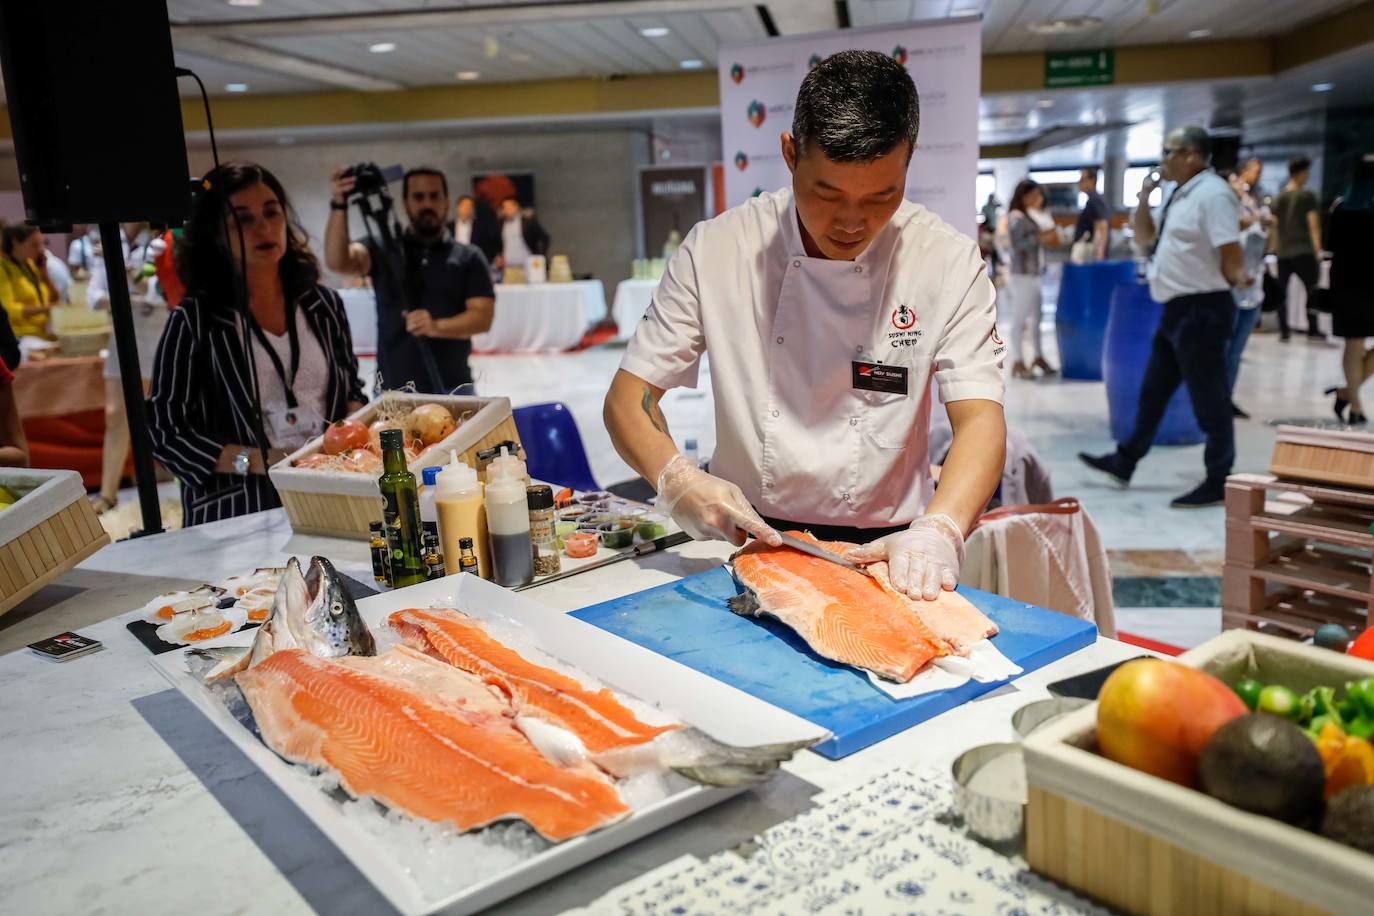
(984, 664)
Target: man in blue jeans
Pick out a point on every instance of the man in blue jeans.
(1195, 261)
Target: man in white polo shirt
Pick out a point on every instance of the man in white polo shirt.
(1196, 261)
(825, 310)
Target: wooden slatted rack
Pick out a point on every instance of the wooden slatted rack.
(1297, 556)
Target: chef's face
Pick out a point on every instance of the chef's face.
(843, 206)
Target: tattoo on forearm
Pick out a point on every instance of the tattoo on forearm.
(651, 408)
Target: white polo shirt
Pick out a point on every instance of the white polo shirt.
(797, 427)
(1203, 214)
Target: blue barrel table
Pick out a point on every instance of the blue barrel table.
(1080, 317)
(1130, 334)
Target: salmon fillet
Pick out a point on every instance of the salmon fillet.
(596, 717)
(424, 756)
(950, 616)
(842, 614)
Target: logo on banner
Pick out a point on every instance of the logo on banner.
(737, 73)
(813, 61)
(756, 113)
(903, 317)
(899, 55)
(741, 161)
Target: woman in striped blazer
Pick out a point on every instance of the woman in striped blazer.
(235, 390)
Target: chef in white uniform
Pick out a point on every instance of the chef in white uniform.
(825, 310)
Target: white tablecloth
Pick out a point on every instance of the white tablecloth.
(632, 299)
(541, 318)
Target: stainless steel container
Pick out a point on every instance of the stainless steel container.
(990, 793)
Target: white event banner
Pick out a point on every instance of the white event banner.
(758, 89)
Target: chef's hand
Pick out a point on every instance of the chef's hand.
(920, 560)
(707, 507)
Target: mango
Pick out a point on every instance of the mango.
(1155, 716)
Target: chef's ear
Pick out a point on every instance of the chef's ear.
(789, 151)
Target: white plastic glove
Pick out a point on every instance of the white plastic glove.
(707, 507)
(920, 560)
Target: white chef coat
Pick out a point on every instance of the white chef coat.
(783, 330)
(462, 231)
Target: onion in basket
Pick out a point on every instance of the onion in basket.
(430, 423)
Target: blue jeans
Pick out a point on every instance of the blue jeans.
(1246, 319)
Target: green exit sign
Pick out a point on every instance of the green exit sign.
(1064, 69)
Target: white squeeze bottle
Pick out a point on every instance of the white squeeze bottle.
(428, 511)
(462, 514)
(508, 520)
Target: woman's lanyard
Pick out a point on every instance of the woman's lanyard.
(286, 381)
(32, 277)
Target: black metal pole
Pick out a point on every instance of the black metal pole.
(122, 316)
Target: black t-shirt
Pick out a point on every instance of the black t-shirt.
(440, 278)
(1093, 211)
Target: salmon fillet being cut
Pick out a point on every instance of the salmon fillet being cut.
(851, 618)
(596, 717)
(424, 755)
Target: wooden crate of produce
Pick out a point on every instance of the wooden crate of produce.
(340, 504)
(1140, 844)
(1337, 456)
(50, 529)
(1298, 555)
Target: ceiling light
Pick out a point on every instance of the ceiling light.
(1045, 103)
(382, 47)
(245, 2)
(467, 74)
(965, 11)
(657, 31)
(691, 64)
(1323, 87)
(1200, 33)
(235, 87)
(1069, 26)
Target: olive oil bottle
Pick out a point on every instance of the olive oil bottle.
(401, 511)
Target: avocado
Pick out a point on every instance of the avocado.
(1350, 818)
(1263, 764)
(1331, 636)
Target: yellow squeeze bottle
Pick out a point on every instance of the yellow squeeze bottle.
(462, 513)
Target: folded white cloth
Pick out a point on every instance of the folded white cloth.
(984, 664)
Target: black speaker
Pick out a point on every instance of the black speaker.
(93, 105)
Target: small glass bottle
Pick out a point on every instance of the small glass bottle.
(381, 568)
(432, 554)
(467, 560)
(543, 540)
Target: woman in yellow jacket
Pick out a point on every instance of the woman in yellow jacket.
(25, 290)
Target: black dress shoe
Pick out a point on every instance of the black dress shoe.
(1113, 465)
(1238, 413)
(1208, 493)
(1340, 404)
(1357, 419)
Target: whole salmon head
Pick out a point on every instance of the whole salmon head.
(327, 624)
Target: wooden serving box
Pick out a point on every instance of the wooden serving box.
(1338, 456)
(1141, 844)
(340, 504)
(46, 532)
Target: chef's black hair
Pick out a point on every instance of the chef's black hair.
(856, 106)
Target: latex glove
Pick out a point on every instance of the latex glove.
(920, 560)
(707, 507)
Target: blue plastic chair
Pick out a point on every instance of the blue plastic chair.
(553, 446)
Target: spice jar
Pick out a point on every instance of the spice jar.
(542, 537)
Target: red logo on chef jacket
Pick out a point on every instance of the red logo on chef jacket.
(995, 338)
(903, 318)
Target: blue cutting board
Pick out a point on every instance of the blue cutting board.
(688, 622)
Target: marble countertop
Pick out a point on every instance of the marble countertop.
(119, 797)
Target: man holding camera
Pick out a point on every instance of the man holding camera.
(446, 285)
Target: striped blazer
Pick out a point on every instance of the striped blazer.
(202, 399)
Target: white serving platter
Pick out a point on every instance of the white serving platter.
(725, 713)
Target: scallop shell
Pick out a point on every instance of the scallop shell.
(201, 626)
(164, 608)
(238, 586)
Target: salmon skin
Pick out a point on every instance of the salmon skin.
(849, 617)
(422, 752)
(576, 725)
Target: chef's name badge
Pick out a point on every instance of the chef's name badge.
(877, 377)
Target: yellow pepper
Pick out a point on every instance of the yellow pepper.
(1349, 761)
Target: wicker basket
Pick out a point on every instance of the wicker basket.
(50, 529)
(340, 504)
(1145, 845)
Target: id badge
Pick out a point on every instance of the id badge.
(292, 427)
(880, 378)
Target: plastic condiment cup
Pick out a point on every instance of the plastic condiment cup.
(580, 544)
(651, 525)
(617, 534)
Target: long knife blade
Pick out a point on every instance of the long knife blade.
(639, 550)
(806, 547)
